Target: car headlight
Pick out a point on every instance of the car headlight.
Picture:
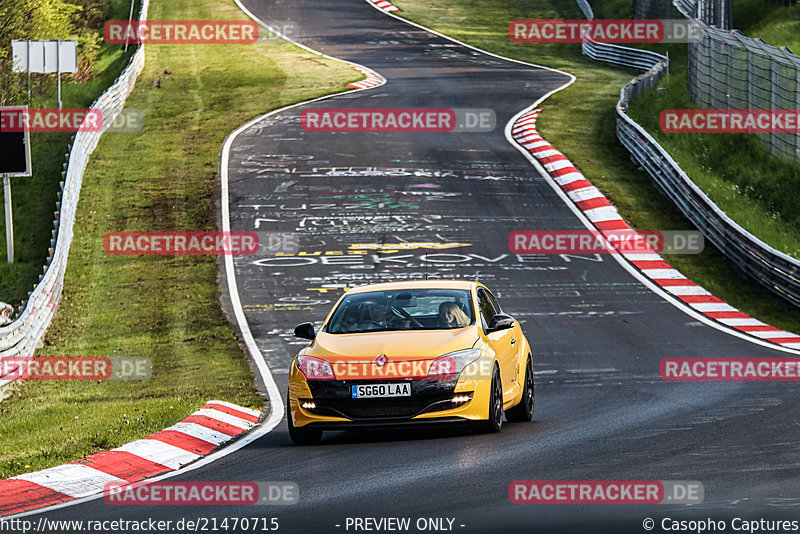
(451, 365)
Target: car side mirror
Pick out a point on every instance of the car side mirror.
(305, 331)
(500, 321)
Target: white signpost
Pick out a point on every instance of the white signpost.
(46, 57)
(40, 57)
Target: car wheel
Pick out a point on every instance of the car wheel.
(524, 410)
(301, 436)
(495, 421)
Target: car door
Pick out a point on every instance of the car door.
(503, 343)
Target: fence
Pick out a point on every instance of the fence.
(773, 269)
(728, 70)
(20, 338)
(717, 13)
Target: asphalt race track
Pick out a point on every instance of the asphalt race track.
(602, 412)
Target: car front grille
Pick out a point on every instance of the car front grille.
(333, 398)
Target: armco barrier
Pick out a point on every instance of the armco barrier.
(620, 55)
(773, 269)
(21, 337)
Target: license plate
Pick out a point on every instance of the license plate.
(372, 391)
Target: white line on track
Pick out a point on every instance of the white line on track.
(663, 293)
(275, 399)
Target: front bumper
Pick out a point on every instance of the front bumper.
(430, 402)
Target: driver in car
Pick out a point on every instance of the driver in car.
(379, 316)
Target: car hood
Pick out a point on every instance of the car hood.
(396, 346)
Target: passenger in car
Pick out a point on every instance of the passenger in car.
(452, 316)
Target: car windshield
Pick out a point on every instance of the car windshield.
(403, 309)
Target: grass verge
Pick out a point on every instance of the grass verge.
(736, 171)
(166, 308)
(775, 23)
(580, 121)
(34, 198)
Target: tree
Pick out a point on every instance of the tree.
(46, 19)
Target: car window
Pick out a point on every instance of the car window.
(494, 302)
(488, 308)
(402, 309)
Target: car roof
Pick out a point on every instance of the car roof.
(416, 284)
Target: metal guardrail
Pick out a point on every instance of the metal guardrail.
(617, 55)
(21, 337)
(621, 55)
(775, 270)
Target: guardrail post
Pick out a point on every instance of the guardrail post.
(797, 100)
(9, 222)
(730, 88)
(774, 140)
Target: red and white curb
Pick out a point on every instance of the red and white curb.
(206, 429)
(384, 5)
(604, 216)
(373, 79)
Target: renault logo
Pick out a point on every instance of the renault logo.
(381, 360)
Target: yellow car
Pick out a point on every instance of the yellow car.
(428, 351)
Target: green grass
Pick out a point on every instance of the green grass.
(34, 198)
(162, 307)
(580, 122)
(736, 171)
(776, 24)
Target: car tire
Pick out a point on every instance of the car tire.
(301, 436)
(495, 421)
(523, 411)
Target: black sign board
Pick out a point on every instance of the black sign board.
(14, 150)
